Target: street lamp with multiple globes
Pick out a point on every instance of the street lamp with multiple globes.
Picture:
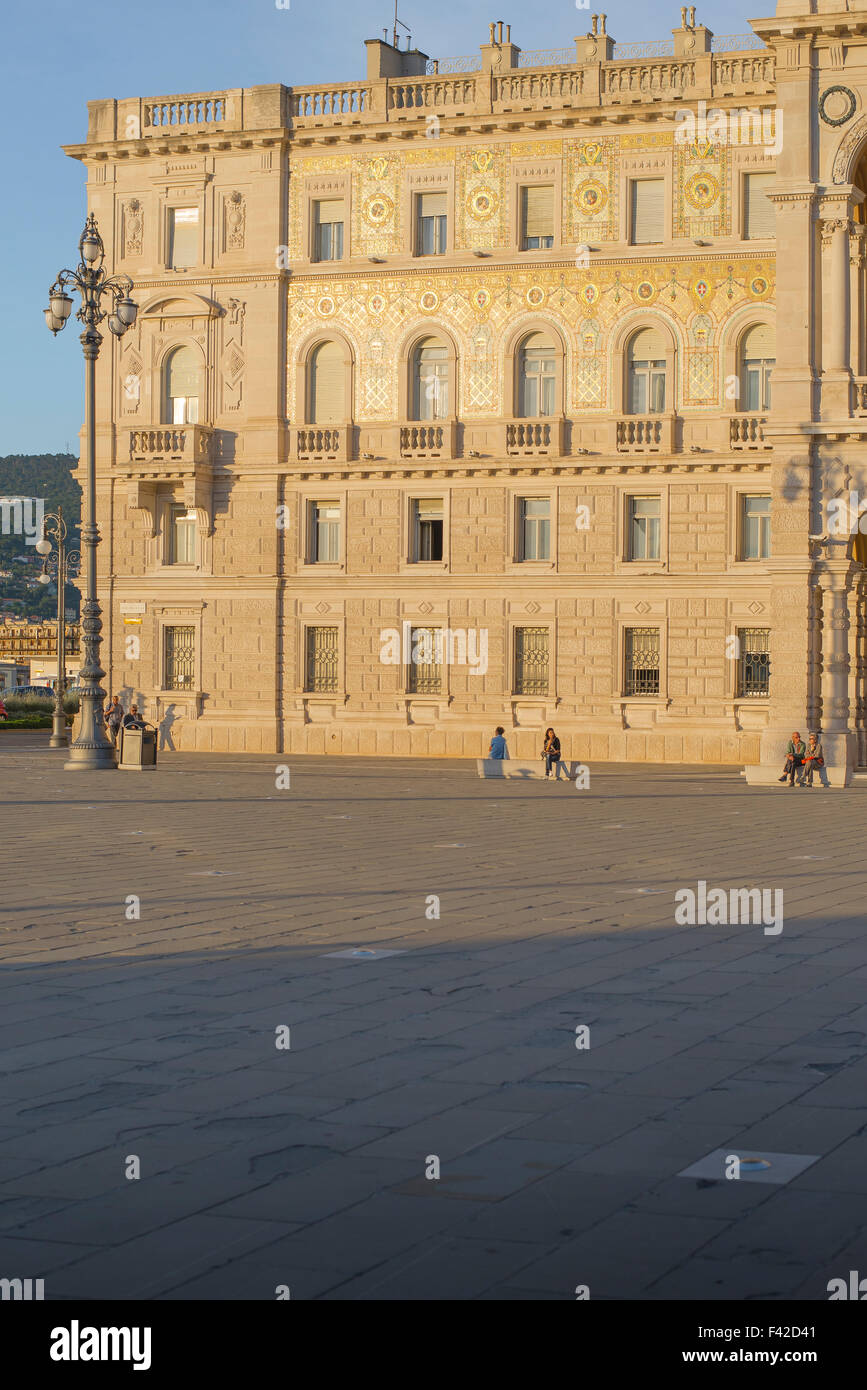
(91, 751)
(63, 565)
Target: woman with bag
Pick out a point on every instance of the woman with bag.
(551, 754)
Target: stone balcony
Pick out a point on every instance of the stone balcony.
(323, 443)
(643, 434)
(746, 431)
(170, 454)
(858, 407)
(543, 438)
(435, 439)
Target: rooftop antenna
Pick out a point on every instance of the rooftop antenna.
(395, 34)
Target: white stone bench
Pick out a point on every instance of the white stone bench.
(515, 767)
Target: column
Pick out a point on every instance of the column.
(837, 298)
(835, 579)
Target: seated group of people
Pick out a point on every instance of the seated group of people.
(802, 760)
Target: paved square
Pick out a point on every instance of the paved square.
(495, 1102)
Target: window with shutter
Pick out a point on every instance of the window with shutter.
(183, 238)
(327, 385)
(759, 213)
(183, 386)
(537, 216)
(648, 211)
(432, 214)
(329, 219)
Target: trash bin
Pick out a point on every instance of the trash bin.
(138, 748)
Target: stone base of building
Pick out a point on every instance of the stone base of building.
(841, 759)
(377, 738)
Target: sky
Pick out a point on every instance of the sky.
(175, 46)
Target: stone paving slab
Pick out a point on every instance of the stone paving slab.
(310, 1165)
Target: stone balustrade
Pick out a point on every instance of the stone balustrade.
(644, 434)
(859, 396)
(171, 444)
(746, 432)
(320, 442)
(541, 438)
(422, 440)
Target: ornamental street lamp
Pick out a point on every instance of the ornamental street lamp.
(91, 751)
(63, 565)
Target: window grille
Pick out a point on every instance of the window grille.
(642, 661)
(531, 661)
(180, 658)
(425, 673)
(754, 662)
(321, 660)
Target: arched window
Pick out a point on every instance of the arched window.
(430, 379)
(182, 378)
(537, 376)
(327, 385)
(645, 373)
(758, 356)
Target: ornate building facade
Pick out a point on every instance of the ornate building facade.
(511, 389)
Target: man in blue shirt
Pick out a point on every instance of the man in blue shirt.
(498, 747)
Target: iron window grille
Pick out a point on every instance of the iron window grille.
(425, 671)
(321, 663)
(180, 658)
(754, 663)
(531, 661)
(642, 661)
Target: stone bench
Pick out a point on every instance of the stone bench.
(515, 767)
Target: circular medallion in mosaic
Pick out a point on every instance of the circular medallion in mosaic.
(759, 286)
(590, 294)
(482, 203)
(701, 289)
(378, 210)
(481, 300)
(376, 304)
(837, 105)
(591, 197)
(535, 296)
(701, 191)
(645, 292)
(326, 306)
(429, 302)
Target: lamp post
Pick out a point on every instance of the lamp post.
(63, 565)
(91, 751)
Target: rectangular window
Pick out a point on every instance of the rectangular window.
(329, 218)
(325, 533)
(754, 662)
(537, 217)
(647, 217)
(644, 513)
(321, 660)
(641, 674)
(179, 658)
(531, 661)
(182, 536)
(759, 213)
(428, 528)
(425, 673)
(432, 215)
(755, 528)
(183, 238)
(535, 537)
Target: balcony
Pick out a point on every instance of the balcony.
(859, 396)
(323, 443)
(747, 432)
(171, 447)
(644, 434)
(542, 438)
(434, 440)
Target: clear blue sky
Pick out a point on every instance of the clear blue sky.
(173, 46)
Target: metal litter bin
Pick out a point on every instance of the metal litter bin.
(138, 748)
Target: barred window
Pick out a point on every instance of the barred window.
(425, 672)
(180, 658)
(321, 662)
(531, 661)
(642, 661)
(754, 662)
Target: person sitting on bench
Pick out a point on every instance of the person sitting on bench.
(795, 752)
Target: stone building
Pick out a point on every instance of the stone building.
(510, 389)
